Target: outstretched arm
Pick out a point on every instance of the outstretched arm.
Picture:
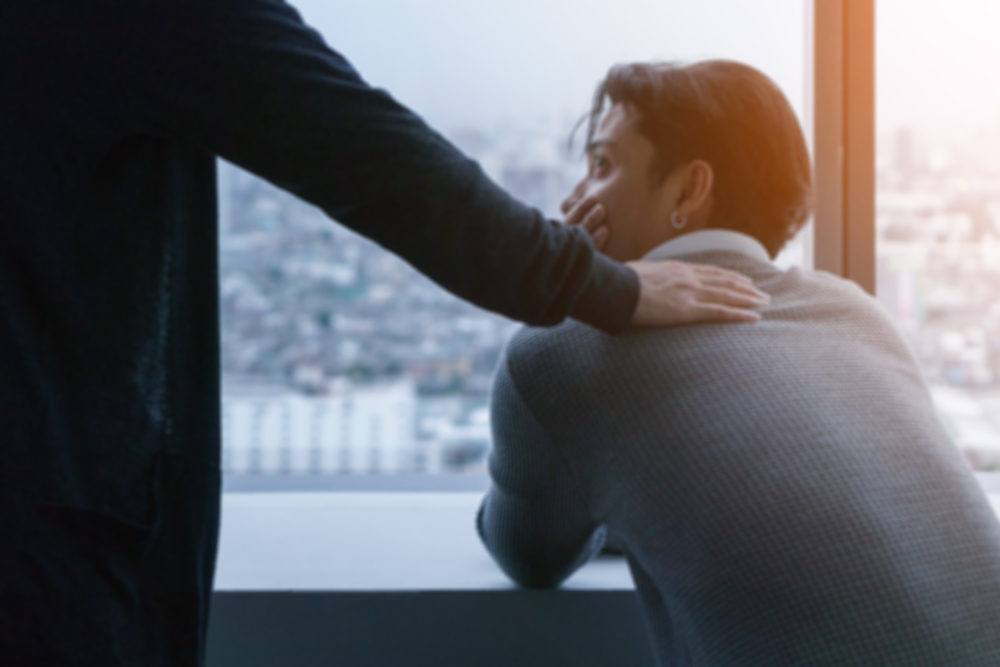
(248, 80)
(534, 519)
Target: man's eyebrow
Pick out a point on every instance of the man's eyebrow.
(599, 143)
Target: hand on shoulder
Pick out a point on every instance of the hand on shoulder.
(672, 293)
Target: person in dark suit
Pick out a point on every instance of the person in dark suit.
(784, 492)
(112, 114)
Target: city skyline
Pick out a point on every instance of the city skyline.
(308, 305)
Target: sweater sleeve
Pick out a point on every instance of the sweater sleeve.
(534, 519)
(248, 80)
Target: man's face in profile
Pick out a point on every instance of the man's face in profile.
(619, 176)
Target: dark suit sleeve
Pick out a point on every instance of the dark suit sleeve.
(247, 80)
(534, 519)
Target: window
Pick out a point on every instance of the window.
(319, 380)
(938, 206)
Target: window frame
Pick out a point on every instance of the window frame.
(840, 106)
(843, 88)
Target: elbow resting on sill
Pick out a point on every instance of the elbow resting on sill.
(536, 565)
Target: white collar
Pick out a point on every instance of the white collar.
(708, 240)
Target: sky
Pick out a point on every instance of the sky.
(459, 62)
(937, 61)
(481, 61)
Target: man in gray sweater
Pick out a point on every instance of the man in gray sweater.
(783, 491)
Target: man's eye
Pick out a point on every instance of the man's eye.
(598, 163)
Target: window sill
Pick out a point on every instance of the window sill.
(399, 579)
(384, 541)
(367, 542)
(393, 578)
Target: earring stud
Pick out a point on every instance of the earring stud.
(678, 221)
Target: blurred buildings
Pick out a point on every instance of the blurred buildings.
(340, 358)
(938, 251)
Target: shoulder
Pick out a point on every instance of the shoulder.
(823, 290)
(840, 306)
(533, 351)
(544, 364)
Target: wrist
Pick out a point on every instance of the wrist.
(609, 300)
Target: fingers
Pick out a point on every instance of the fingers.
(593, 219)
(743, 295)
(674, 292)
(732, 297)
(719, 313)
(721, 276)
(730, 280)
(593, 222)
(588, 212)
(591, 215)
(719, 285)
(577, 211)
(734, 286)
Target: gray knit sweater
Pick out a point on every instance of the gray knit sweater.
(783, 490)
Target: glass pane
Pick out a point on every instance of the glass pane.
(938, 205)
(338, 357)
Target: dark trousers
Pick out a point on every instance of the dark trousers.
(81, 586)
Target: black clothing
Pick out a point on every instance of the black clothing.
(84, 587)
(111, 115)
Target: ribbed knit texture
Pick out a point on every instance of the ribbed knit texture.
(783, 490)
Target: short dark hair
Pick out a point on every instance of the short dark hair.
(735, 118)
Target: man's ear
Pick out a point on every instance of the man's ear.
(695, 196)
